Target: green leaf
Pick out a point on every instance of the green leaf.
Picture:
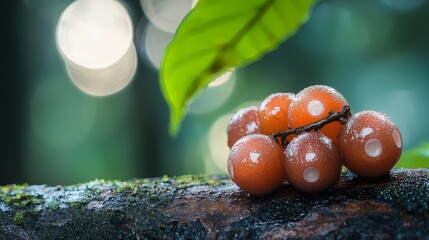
(415, 158)
(218, 35)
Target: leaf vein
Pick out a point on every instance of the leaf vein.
(234, 41)
(191, 57)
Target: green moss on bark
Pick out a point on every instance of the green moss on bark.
(201, 207)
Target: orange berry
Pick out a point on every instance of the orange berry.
(243, 123)
(273, 113)
(312, 162)
(314, 103)
(255, 164)
(371, 144)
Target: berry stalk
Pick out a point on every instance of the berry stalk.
(340, 116)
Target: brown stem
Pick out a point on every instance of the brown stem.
(340, 116)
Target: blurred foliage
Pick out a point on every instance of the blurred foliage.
(417, 157)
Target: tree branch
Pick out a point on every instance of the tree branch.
(200, 207)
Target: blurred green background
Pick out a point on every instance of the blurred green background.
(375, 52)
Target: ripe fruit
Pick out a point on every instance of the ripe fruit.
(255, 164)
(312, 162)
(244, 122)
(309, 125)
(314, 103)
(371, 144)
(273, 113)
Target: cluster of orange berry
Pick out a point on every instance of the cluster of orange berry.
(305, 139)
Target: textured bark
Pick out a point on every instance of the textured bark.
(198, 207)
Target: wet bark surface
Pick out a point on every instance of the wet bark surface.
(200, 207)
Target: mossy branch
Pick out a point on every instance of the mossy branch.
(199, 207)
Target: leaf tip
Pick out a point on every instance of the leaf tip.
(176, 118)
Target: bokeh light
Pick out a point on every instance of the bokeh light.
(218, 150)
(164, 18)
(94, 33)
(94, 37)
(166, 14)
(194, 3)
(223, 78)
(218, 147)
(153, 44)
(106, 81)
(220, 89)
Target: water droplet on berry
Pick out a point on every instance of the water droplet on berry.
(311, 174)
(397, 138)
(373, 147)
(251, 128)
(315, 108)
(310, 156)
(254, 156)
(366, 131)
(275, 110)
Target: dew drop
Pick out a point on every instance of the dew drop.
(366, 131)
(275, 110)
(310, 156)
(311, 174)
(373, 147)
(315, 108)
(327, 141)
(251, 128)
(254, 156)
(397, 138)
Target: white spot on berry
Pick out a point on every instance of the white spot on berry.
(310, 156)
(397, 138)
(315, 108)
(327, 141)
(311, 174)
(254, 156)
(366, 131)
(373, 147)
(275, 110)
(251, 128)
